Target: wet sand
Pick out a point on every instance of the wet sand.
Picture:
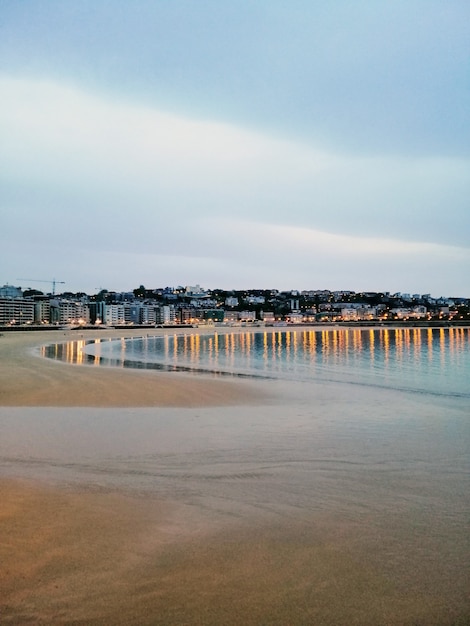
(82, 553)
(29, 381)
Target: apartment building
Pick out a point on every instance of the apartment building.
(114, 315)
(42, 312)
(16, 311)
(66, 312)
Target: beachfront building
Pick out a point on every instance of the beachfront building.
(42, 312)
(132, 314)
(231, 317)
(294, 317)
(416, 312)
(97, 312)
(16, 311)
(358, 313)
(190, 315)
(148, 314)
(114, 315)
(65, 312)
(165, 314)
(310, 316)
(247, 316)
(214, 316)
(268, 317)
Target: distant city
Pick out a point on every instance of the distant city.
(194, 306)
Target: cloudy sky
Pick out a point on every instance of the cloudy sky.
(236, 144)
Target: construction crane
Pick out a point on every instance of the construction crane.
(52, 282)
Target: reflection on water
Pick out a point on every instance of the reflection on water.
(431, 360)
(391, 467)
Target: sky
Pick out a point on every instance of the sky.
(242, 144)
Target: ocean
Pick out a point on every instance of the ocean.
(365, 434)
(358, 420)
(434, 361)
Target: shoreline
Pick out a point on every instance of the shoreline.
(29, 379)
(32, 380)
(210, 542)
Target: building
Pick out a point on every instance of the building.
(165, 314)
(190, 315)
(8, 291)
(149, 314)
(114, 315)
(416, 312)
(247, 316)
(214, 316)
(356, 313)
(16, 311)
(66, 312)
(231, 301)
(133, 313)
(268, 317)
(42, 311)
(294, 317)
(97, 312)
(231, 317)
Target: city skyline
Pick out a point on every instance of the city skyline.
(58, 288)
(195, 305)
(236, 145)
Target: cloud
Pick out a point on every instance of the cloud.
(114, 179)
(61, 141)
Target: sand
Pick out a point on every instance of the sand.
(84, 554)
(29, 381)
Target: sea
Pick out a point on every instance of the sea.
(375, 418)
(364, 429)
(432, 361)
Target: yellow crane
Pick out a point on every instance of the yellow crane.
(52, 282)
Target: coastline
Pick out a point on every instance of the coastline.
(90, 552)
(30, 380)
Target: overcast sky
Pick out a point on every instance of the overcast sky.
(236, 144)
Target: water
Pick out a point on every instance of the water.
(358, 419)
(432, 361)
(366, 434)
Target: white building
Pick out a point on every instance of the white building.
(69, 313)
(247, 316)
(255, 300)
(195, 290)
(231, 301)
(294, 317)
(149, 314)
(358, 313)
(16, 311)
(114, 315)
(416, 312)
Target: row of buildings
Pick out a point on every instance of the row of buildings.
(194, 305)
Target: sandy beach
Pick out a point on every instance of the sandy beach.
(78, 551)
(28, 381)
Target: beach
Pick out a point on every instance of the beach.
(148, 497)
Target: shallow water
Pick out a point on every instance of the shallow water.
(340, 447)
(360, 440)
(424, 360)
(359, 421)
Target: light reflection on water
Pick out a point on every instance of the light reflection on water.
(415, 359)
(393, 466)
